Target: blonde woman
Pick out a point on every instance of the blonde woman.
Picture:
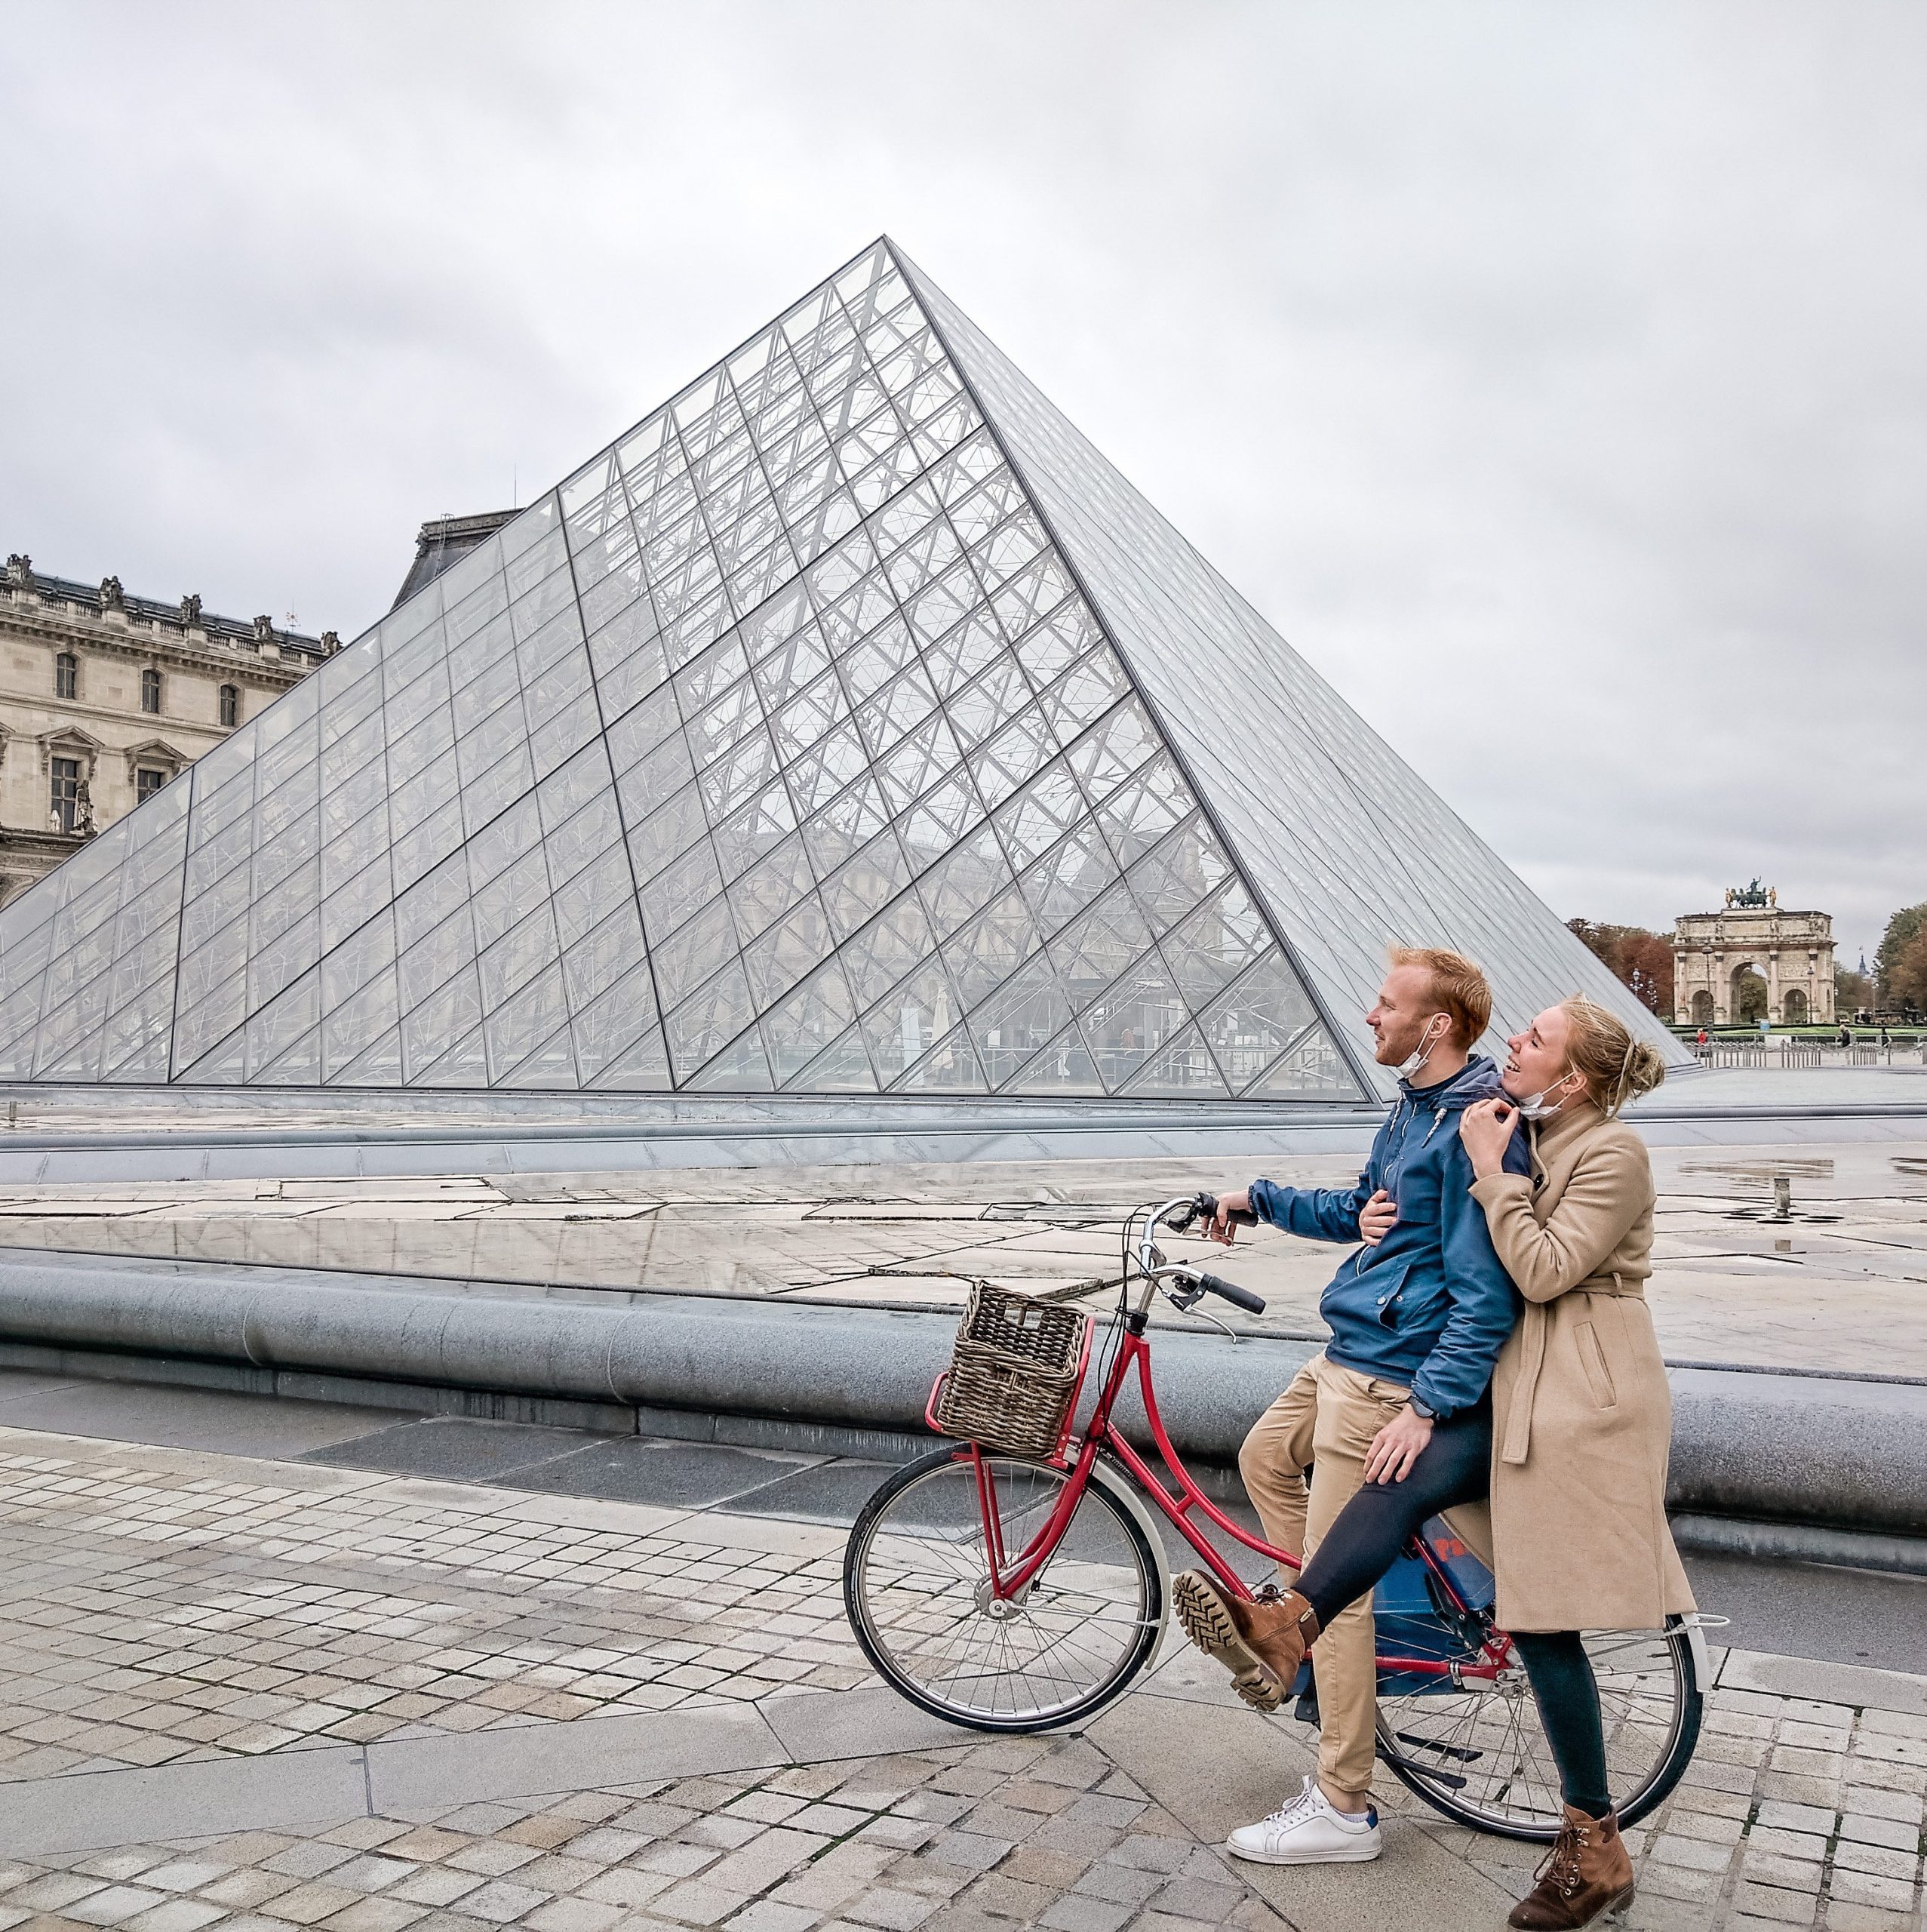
(1573, 1448)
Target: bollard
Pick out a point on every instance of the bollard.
(1783, 1198)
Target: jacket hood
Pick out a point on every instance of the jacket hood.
(1477, 1080)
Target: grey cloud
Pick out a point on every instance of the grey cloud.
(1550, 376)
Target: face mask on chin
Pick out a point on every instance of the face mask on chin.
(1541, 1104)
(1436, 1030)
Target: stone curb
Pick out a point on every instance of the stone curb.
(325, 1784)
(1802, 1450)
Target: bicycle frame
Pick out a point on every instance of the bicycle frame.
(1011, 1578)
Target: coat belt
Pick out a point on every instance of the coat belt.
(1517, 1442)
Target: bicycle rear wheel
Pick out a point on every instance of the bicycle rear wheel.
(1476, 1751)
(917, 1589)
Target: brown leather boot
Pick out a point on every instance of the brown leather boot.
(1587, 1873)
(1260, 1643)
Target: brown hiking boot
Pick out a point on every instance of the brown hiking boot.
(1260, 1643)
(1586, 1873)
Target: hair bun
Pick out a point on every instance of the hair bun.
(1646, 1071)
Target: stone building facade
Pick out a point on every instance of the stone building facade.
(1792, 952)
(105, 698)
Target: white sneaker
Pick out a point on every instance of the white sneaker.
(1307, 1830)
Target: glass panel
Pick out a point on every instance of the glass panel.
(592, 894)
(781, 956)
(680, 889)
(972, 875)
(1025, 1015)
(951, 1067)
(1176, 875)
(770, 887)
(610, 1025)
(1064, 1066)
(689, 957)
(1215, 945)
(593, 964)
(1181, 1065)
(1260, 1017)
(843, 1068)
(643, 1068)
(514, 1031)
(714, 1015)
(915, 1014)
(816, 1014)
(988, 950)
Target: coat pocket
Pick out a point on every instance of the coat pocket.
(1592, 1360)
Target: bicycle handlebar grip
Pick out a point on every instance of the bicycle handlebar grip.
(1239, 1297)
(1205, 1208)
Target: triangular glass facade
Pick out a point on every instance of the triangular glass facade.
(1345, 843)
(780, 749)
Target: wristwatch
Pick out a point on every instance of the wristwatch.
(1422, 1409)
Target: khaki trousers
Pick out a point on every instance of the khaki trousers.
(1328, 1417)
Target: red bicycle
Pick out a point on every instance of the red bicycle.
(1011, 1592)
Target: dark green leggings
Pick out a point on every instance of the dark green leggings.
(1454, 1468)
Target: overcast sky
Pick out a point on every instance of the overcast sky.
(1552, 376)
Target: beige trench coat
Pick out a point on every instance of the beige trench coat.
(1582, 1416)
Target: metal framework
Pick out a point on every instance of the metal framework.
(836, 730)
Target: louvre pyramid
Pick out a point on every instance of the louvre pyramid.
(849, 726)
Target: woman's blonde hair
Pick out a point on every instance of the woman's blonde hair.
(1599, 1045)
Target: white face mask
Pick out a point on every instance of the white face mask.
(1542, 1103)
(1436, 1030)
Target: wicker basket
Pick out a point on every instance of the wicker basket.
(1013, 1378)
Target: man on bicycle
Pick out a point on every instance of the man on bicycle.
(1417, 1323)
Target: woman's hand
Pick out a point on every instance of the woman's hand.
(1485, 1131)
(1377, 1219)
(1397, 1447)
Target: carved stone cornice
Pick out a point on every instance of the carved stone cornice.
(118, 637)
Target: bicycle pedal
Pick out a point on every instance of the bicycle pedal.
(1306, 1690)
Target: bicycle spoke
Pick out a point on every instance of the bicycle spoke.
(929, 1616)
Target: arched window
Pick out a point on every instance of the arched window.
(66, 676)
(230, 704)
(150, 692)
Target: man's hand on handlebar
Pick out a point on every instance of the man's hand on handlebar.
(1233, 1207)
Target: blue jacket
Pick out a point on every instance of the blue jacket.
(1429, 1306)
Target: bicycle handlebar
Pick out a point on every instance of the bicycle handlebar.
(1204, 1207)
(1243, 1298)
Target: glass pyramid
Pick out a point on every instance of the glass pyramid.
(826, 735)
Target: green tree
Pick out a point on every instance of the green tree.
(1905, 982)
(1853, 993)
(1902, 929)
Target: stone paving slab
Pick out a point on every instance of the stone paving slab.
(289, 1695)
(1837, 1285)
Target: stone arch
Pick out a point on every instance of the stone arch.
(1747, 1000)
(1793, 1007)
(1703, 1007)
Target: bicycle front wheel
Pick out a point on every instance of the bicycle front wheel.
(1476, 1751)
(917, 1587)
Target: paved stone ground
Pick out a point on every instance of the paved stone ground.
(237, 1623)
(1839, 1285)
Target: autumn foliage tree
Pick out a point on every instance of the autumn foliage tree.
(1640, 960)
(1900, 966)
